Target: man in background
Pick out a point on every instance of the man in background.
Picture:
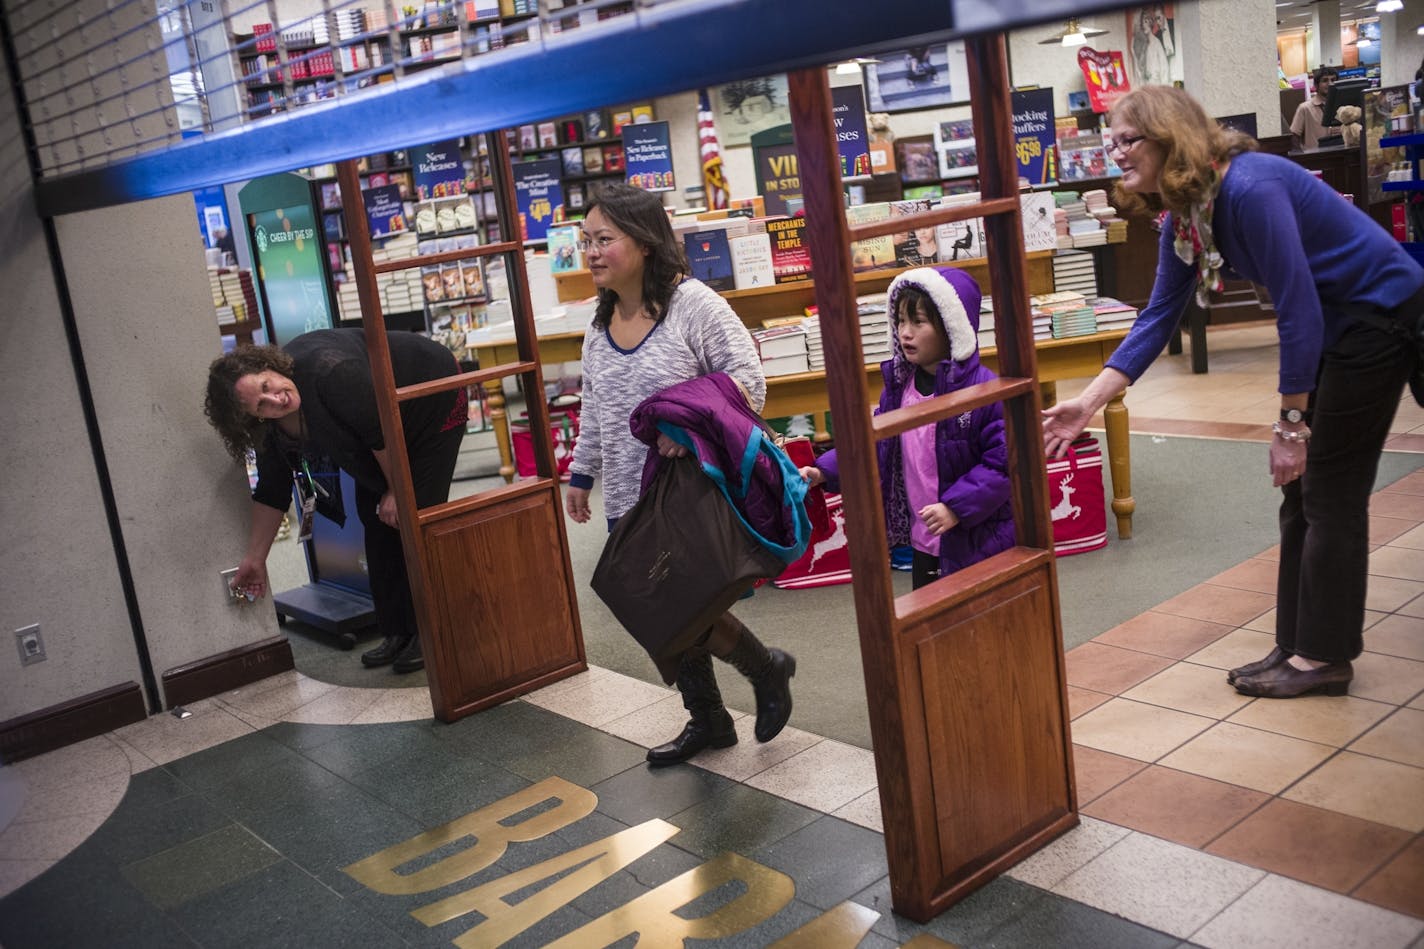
(1308, 126)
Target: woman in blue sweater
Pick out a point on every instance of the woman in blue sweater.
(1262, 218)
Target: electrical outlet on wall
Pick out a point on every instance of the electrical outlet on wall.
(227, 576)
(30, 644)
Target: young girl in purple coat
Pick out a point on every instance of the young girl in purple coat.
(946, 487)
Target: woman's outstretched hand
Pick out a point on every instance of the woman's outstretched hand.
(1062, 423)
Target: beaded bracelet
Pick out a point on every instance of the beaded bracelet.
(1286, 435)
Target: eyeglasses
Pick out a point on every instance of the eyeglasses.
(600, 244)
(1124, 145)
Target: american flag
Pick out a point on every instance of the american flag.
(714, 176)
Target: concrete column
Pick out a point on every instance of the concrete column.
(1326, 34)
(1401, 46)
(1229, 58)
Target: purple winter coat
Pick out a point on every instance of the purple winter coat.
(714, 413)
(970, 450)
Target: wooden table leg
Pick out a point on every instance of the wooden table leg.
(1120, 465)
(819, 435)
(494, 395)
(1048, 393)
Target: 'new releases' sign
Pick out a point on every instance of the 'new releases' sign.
(439, 170)
(852, 140)
(648, 156)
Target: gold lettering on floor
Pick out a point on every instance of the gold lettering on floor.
(842, 927)
(491, 838)
(653, 916)
(596, 862)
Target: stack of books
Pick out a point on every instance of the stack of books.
(1068, 313)
(234, 295)
(1083, 229)
(225, 312)
(783, 349)
(1042, 325)
(1073, 270)
(1073, 321)
(815, 354)
(350, 23)
(348, 301)
(874, 327)
(1113, 314)
(986, 322)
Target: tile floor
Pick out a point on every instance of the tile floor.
(1206, 816)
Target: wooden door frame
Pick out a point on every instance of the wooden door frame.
(899, 638)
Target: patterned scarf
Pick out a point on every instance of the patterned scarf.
(1193, 242)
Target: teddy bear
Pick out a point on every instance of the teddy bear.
(1349, 118)
(880, 130)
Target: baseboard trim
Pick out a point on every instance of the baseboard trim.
(226, 671)
(70, 722)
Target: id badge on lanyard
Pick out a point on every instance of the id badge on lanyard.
(309, 488)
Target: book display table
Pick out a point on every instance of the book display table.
(805, 394)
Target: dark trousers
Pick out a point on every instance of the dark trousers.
(432, 465)
(1324, 566)
(924, 569)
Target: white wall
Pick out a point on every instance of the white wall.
(144, 310)
(57, 565)
(147, 332)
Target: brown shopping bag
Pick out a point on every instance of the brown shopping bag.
(678, 560)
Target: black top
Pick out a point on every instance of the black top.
(338, 413)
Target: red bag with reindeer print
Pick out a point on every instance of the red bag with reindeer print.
(1075, 491)
(826, 561)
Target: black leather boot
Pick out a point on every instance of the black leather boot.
(384, 654)
(710, 725)
(409, 658)
(770, 672)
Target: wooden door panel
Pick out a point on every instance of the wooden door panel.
(994, 719)
(503, 598)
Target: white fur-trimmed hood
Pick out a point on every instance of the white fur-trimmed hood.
(956, 297)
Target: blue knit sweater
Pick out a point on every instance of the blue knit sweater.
(1277, 225)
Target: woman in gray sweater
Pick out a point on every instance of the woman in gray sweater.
(655, 327)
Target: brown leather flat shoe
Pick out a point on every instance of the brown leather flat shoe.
(1277, 656)
(1285, 681)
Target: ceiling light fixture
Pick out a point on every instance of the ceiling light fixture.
(852, 67)
(1389, 6)
(1073, 34)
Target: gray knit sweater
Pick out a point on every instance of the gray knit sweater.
(699, 335)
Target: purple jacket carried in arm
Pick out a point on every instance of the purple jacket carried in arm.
(721, 426)
(971, 454)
